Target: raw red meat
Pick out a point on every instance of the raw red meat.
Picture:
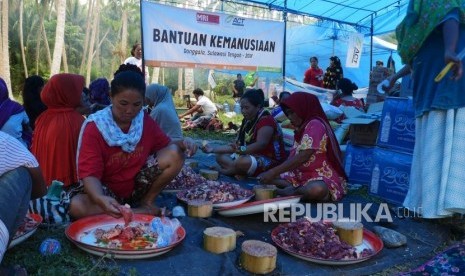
(127, 213)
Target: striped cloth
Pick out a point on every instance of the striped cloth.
(13, 154)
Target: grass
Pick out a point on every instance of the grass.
(70, 261)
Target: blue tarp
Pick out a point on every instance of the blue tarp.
(386, 14)
(326, 40)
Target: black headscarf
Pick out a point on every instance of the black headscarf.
(31, 98)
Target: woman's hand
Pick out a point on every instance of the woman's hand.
(234, 147)
(266, 177)
(109, 206)
(190, 146)
(457, 69)
(207, 148)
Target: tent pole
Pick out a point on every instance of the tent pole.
(284, 44)
(142, 40)
(371, 44)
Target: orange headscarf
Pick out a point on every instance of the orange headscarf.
(55, 138)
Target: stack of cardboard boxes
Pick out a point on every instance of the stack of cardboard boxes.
(386, 165)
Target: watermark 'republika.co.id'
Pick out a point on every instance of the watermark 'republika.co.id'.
(286, 212)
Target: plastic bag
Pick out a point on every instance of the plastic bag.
(166, 229)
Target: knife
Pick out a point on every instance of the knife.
(448, 66)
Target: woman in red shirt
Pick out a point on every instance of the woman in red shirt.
(259, 145)
(114, 145)
(314, 74)
(314, 167)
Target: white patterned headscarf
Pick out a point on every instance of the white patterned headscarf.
(112, 133)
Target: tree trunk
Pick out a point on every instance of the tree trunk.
(97, 63)
(86, 40)
(92, 41)
(181, 92)
(5, 59)
(38, 51)
(189, 80)
(21, 39)
(59, 37)
(44, 34)
(156, 75)
(65, 60)
(124, 36)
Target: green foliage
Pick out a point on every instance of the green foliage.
(224, 84)
(71, 260)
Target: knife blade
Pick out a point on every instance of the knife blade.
(446, 69)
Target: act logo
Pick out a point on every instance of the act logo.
(234, 20)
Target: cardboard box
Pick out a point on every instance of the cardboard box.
(390, 175)
(363, 131)
(358, 164)
(363, 126)
(397, 129)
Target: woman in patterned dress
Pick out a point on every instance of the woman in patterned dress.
(314, 167)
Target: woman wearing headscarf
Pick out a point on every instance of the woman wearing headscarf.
(115, 144)
(333, 73)
(55, 138)
(314, 167)
(13, 118)
(259, 145)
(159, 98)
(32, 103)
(430, 36)
(99, 94)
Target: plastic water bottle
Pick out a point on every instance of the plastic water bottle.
(226, 107)
(375, 179)
(237, 108)
(348, 164)
(386, 127)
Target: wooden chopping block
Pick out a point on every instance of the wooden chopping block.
(263, 192)
(350, 232)
(199, 208)
(258, 257)
(219, 239)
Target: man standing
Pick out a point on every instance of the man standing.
(314, 74)
(238, 87)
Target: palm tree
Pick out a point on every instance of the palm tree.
(5, 55)
(86, 40)
(21, 38)
(59, 37)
